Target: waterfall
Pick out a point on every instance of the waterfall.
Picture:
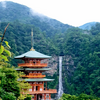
(60, 90)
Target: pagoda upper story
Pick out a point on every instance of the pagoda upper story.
(32, 59)
(32, 65)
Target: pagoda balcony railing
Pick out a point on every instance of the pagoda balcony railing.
(32, 65)
(35, 73)
(33, 76)
(43, 91)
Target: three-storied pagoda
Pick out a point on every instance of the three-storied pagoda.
(33, 68)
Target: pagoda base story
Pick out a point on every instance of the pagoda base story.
(41, 97)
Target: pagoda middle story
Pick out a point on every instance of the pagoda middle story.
(33, 68)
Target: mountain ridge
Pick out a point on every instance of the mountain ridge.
(11, 11)
(14, 11)
(87, 26)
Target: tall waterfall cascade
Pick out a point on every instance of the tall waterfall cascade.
(60, 90)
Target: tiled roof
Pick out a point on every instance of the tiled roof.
(32, 54)
(37, 80)
(33, 69)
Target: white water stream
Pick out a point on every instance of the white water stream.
(60, 90)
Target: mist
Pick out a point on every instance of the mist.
(3, 4)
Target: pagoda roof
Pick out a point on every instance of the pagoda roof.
(33, 69)
(32, 54)
(37, 79)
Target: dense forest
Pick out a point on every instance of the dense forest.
(81, 50)
(82, 71)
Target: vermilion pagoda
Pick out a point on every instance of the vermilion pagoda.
(33, 68)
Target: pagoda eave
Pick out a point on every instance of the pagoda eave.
(33, 55)
(39, 80)
(33, 69)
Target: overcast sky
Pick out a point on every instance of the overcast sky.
(72, 12)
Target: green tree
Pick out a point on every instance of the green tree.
(79, 97)
(9, 88)
(24, 90)
(9, 82)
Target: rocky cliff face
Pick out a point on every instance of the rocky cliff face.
(67, 64)
(53, 64)
(68, 69)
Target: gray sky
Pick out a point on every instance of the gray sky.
(72, 12)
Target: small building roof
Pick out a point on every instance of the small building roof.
(33, 69)
(32, 54)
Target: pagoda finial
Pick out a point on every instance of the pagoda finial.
(32, 45)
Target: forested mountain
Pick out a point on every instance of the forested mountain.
(87, 26)
(10, 11)
(81, 60)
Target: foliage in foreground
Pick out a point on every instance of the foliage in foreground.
(80, 97)
(10, 88)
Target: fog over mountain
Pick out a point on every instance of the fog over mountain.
(11, 11)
